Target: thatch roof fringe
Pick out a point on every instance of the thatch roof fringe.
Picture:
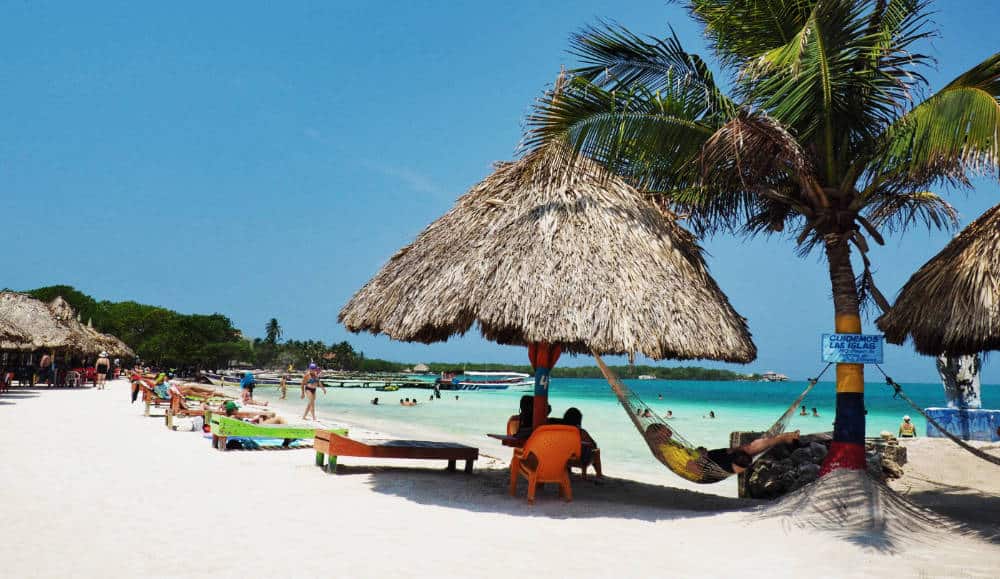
(551, 249)
(29, 324)
(952, 304)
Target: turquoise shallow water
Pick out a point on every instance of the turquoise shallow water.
(737, 405)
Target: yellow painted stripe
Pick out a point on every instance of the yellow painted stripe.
(848, 324)
(850, 377)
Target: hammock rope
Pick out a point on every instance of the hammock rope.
(668, 446)
(900, 394)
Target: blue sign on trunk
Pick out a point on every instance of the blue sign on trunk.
(852, 348)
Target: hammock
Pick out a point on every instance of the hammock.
(899, 393)
(672, 449)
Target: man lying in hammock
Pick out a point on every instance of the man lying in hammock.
(733, 460)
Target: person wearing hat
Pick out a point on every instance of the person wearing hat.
(101, 367)
(232, 410)
(309, 384)
(907, 429)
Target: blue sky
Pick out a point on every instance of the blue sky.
(264, 159)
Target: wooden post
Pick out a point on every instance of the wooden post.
(543, 357)
(737, 439)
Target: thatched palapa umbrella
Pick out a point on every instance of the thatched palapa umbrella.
(11, 336)
(548, 250)
(35, 323)
(952, 304)
(91, 341)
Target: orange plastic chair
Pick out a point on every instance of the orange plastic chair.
(544, 457)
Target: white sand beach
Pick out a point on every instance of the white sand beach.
(92, 488)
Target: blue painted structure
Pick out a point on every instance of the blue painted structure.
(967, 424)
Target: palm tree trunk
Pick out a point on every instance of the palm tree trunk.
(848, 448)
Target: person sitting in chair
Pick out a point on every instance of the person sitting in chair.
(573, 417)
(907, 429)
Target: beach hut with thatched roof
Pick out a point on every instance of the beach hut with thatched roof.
(549, 250)
(11, 336)
(90, 341)
(421, 368)
(35, 323)
(951, 305)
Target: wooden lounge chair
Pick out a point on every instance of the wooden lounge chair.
(224, 428)
(544, 459)
(149, 396)
(330, 443)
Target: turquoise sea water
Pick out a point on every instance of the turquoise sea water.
(737, 406)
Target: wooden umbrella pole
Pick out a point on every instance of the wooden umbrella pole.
(543, 358)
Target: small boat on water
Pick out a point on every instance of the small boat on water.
(646, 377)
(387, 388)
(483, 380)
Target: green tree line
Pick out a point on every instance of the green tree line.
(159, 336)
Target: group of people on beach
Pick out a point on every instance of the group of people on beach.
(67, 370)
(572, 417)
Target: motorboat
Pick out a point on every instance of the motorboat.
(471, 380)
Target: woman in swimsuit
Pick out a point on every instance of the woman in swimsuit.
(101, 367)
(309, 384)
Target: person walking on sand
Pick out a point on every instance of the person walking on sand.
(45, 369)
(101, 366)
(309, 384)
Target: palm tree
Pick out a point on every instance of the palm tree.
(272, 331)
(820, 137)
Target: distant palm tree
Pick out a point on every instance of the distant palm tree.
(272, 331)
(822, 136)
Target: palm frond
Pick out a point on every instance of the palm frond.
(741, 30)
(651, 138)
(614, 58)
(899, 211)
(949, 137)
(833, 72)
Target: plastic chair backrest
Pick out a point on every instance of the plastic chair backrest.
(553, 445)
(513, 424)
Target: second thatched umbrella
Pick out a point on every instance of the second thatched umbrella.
(952, 304)
(552, 251)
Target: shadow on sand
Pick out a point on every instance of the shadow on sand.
(11, 397)
(971, 506)
(486, 491)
